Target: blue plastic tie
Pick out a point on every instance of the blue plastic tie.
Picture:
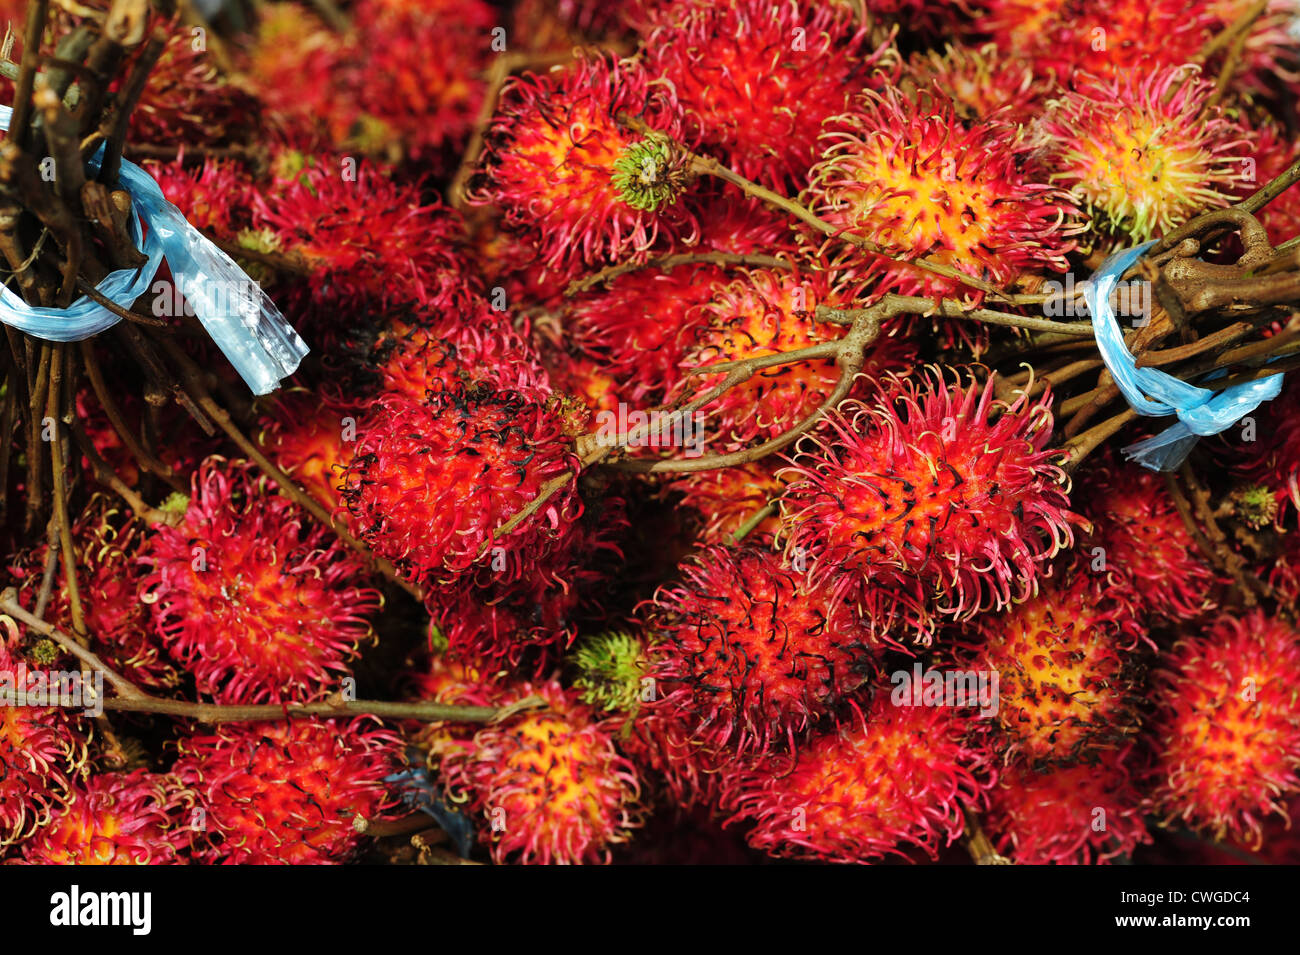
(1152, 392)
(243, 321)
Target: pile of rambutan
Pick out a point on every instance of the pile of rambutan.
(689, 462)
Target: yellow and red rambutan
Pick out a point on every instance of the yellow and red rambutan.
(936, 493)
(43, 749)
(106, 545)
(1141, 153)
(982, 82)
(912, 178)
(1069, 669)
(1141, 543)
(253, 599)
(1226, 736)
(727, 498)
(563, 169)
(432, 482)
(186, 99)
(286, 792)
(1069, 815)
(312, 438)
(550, 785)
(135, 818)
(893, 780)
(751, 652)
(756, 79)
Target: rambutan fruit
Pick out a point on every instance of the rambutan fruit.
(253, 599)
(1082, 814)
(293, 68)
(1140, 153)
(43, 749)
(135, 818)
(286, 792)
(214, 197)
(982, 83)
(885, 783)
(312, 438)
(550, 784)
(1069, 670)
(454, 680)
(757, 79)
(727, 498)
(915, 180)
(186, 99)
(561, 167)
(612, 668)
(1141, 543)
(1269, 451)
(1227, 732)
(752, 654)
(935, 493)
(1272, 151)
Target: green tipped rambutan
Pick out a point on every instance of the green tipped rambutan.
(893, 780)
(756, 79)
(1227, 732)
(1081, 814)
(431, 483)
(750, 653)
(1069, 670)
(136, 818)
(612, 668)
(1141, 543)
(549, 785)
(918, 182)
(287, 792)
(253, 599)
(936, 493)
(562, 168)
(1140, 153)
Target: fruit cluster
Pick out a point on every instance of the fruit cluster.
(693, 457)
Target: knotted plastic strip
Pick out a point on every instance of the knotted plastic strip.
(1152, 392)
(258, 341)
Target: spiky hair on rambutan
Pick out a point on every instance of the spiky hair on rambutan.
(549, 786)
(561, 167)
(936, 495)
(1272, 150)
(756, 79)
(1070, 665)
(43, 749)
(982, 82)
(1226, 736)
(727, 498)
(312, 437)
(286, 792)
(750, 652)
(107, 542)
(1141, 543)
(612, 668)
(250, 596)
(1141, 153)
(432, 482)
(1085, 814)
(912, 178)
(214, 197)
(887, 782)
(135, 818)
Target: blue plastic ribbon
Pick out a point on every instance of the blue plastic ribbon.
(1155, 393)
(258, 341)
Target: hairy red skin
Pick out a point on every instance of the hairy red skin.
(255, 601)
(549, 162)
(725, 498)
(891, 781)
(915, 180)
(933, 505)
(1069, 669)
(983, 83)
(135, 818)
(1145, 546)
(550, 785)
(1227, 732)
(757, 79)
(43, 751)
(1051, 817)
(288, 792)
(430, 483)
(214, 196)
(751, 654)
(186, 99)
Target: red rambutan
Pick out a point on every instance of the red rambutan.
(726, 498)
(287, 792)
